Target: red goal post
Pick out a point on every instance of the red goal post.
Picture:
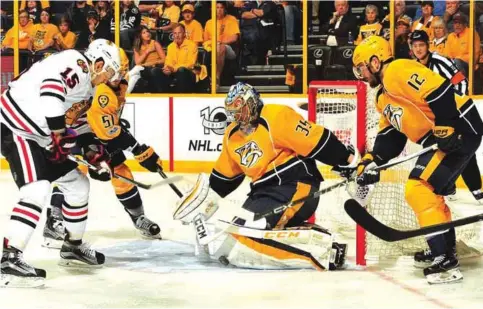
(333, 89)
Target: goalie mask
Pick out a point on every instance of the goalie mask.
(243, 104)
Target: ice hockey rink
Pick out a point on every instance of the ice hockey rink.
(165, 273)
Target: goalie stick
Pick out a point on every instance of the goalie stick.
(126, 179)
(360, 215)
(392, 163)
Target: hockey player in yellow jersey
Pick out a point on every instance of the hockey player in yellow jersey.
(420, 105)
(277, 149)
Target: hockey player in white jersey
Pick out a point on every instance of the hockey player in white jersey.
(36, 143)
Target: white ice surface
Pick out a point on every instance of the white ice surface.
(143, 273)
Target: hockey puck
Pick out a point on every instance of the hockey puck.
(223, 260)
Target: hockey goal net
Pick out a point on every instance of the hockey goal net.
(348, 109)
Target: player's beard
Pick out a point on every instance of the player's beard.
(374, 81)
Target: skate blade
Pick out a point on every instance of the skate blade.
(449, 276)
(151, 237)
(52, 243)
(9, 281)
(78, 264)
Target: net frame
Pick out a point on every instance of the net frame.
(361, 136)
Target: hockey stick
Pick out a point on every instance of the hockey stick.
(175, 189)
(360, 215)
(126, 179)
(392, 163)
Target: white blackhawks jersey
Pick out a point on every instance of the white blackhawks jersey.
(47, 89)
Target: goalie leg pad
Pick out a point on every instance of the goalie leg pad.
(200, 199)
(429, 208)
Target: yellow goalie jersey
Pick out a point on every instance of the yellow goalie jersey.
(283, 148)
(104, 114)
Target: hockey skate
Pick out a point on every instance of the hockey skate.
(15, 272)
(54, 231)
(337, 259)
(478, 195)
(147, 227)
(423, 259)
(80, 256)
(444, 269)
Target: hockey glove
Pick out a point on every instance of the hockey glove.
(97, 156)
(62, 145)
(348, 170)
(365, 173)
(447, 139)
(148, 159)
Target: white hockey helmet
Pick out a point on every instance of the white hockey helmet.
(102, 49)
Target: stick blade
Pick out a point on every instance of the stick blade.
(360, 215)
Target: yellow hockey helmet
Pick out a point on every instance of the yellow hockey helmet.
(370, 47)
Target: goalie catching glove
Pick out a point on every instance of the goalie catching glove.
(366, 175)
(200, 199)
(148, 159)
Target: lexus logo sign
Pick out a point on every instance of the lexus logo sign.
(347, 53)
(318, 53)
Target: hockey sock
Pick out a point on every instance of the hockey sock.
(450, 237)
(75, 220)
(438, 244)
(131, 200)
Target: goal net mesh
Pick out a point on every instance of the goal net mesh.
(348, 110)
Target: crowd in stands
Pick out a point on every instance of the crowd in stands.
(347, 23)
(46, 27)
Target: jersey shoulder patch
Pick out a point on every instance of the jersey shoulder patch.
(83, 65)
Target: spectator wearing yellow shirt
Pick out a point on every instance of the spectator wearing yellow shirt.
(149, 54)
(42, 36)
(227, 33)
(65, 39)
(25, 28)
(170, 11)
(372, 26)
(458, 45)
(180, 61)
(438, 44)
(427, 18)
(194, 30)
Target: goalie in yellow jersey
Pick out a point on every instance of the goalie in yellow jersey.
(277, 149)
(417, 104)
(111, 136)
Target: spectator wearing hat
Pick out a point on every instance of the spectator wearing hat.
(342, 24)
(424, 23)
(42, 36)
(65, 39)
(194, 30)
(227, 34)
(169, 11)
(439, 9)
(399, 10)
(438, 44)
(180, 62)
(402, 36)
(25, 30)
(458, 44)
(452, 7)
(372, 26)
